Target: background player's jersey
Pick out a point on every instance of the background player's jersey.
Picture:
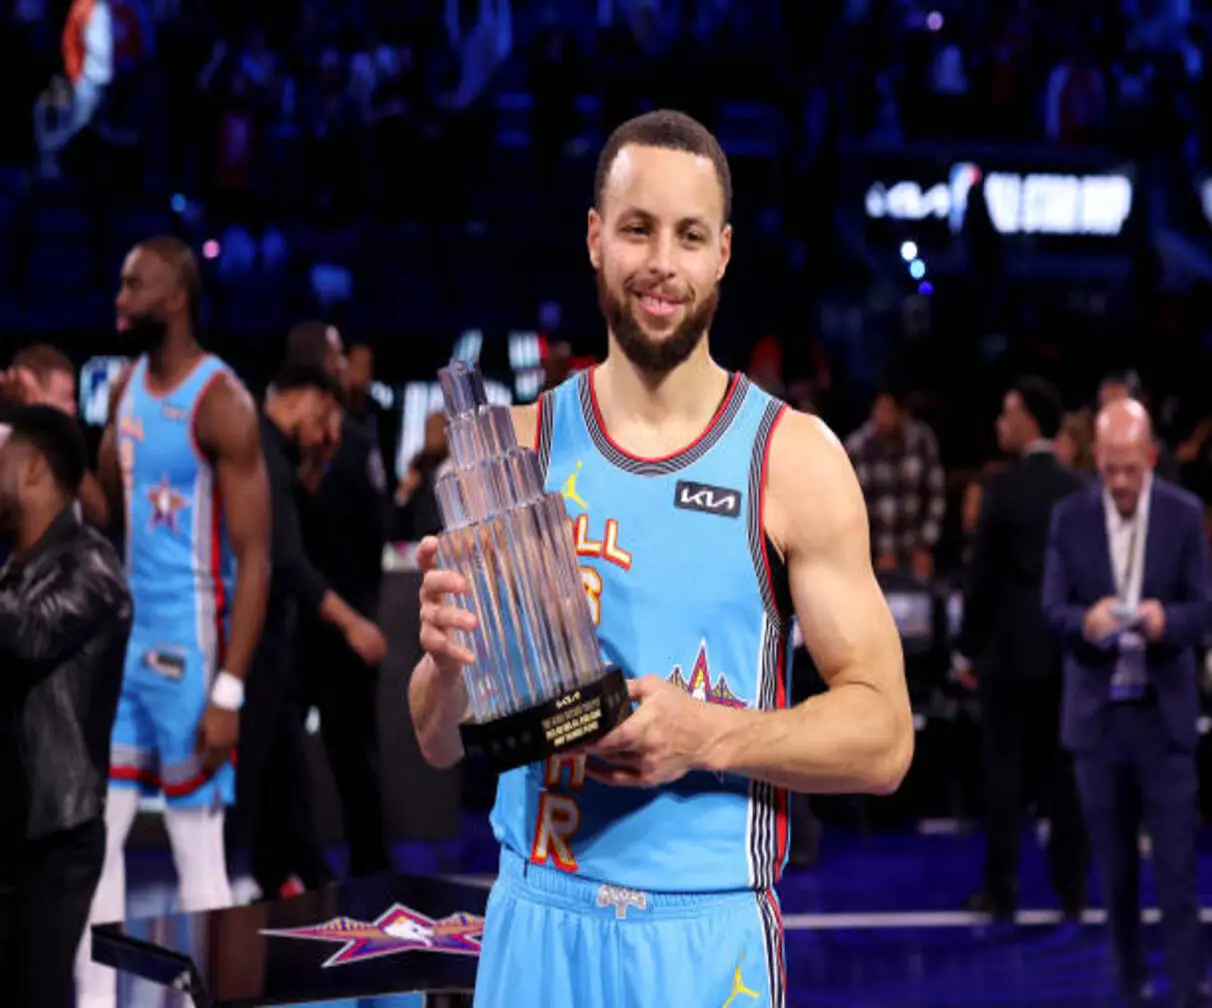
(678, 571)
(180, 565)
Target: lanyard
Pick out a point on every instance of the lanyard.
(1126, 578)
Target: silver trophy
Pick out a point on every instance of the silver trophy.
(538, 685)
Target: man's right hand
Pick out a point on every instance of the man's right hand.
(440, 617)
(1101, 621)
(367, 641)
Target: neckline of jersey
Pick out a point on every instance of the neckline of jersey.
(175, 386)
(734, 384)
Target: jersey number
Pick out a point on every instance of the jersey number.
(592, 581)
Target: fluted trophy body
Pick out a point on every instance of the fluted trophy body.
(538, 684)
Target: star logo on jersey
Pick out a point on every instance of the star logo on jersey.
(165, 502)
(700, 686)
(399, 929)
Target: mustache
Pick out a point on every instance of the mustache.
(660, 289)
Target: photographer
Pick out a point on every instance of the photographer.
(65, 616)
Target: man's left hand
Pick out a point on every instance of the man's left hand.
(1152, 618)
(218, 733)
(665, 737)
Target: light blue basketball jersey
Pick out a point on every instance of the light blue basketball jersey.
(180, 565)
(684, 585)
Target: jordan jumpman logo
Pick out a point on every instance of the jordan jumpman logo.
(569, 490)
(738, 987)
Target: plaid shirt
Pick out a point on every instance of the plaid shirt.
(903, 484)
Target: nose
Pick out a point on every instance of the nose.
(661, 253)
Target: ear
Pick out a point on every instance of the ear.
(593, 238)
(725, 252)
(33, 468)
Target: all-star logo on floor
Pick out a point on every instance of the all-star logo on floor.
(399, 929)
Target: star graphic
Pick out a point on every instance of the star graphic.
(699, 684)
(399, 929)
(165, 502)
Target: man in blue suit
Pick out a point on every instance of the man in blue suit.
(1128, 588)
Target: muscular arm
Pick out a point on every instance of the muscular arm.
(858, 735)
(228, 432)
(437, 711)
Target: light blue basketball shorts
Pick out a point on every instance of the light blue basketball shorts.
(553, 940)
(165, 691)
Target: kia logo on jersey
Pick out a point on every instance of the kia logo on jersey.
(708, 499)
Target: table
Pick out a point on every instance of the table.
(378, 935)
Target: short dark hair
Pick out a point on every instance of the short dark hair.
(307, 343)
(57, 438)
(1042, 402)
(668, 130)
(297, 376)
(184, 263)
(43, 360)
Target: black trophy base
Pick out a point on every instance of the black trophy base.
(578, 717)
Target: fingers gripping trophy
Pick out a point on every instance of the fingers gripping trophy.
(538, 685)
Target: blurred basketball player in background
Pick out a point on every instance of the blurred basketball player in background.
(706, 514)
(181, 460)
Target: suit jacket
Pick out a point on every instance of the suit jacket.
(1176, 572)
(1004, 630)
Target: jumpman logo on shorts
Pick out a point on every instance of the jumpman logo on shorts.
(738, 987)
(569, 490)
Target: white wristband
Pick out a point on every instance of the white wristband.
(227, 692)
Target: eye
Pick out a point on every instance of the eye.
(635, 229)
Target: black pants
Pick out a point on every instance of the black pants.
(1137, 773)
(344, 690)
(273, 811)
(1024, 760)
(46, 888)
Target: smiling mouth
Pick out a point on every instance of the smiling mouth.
(657, 305)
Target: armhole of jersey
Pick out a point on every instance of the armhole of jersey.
(199, 451)
(545, 421)
(769, 567)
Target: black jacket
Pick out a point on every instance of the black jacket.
(345, 522)
(296, 588)
(1004, 630)
(65, 617)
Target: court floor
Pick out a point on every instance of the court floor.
(877, 924)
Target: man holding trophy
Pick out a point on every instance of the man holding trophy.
(645, 739)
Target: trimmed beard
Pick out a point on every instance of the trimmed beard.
(656, 357)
